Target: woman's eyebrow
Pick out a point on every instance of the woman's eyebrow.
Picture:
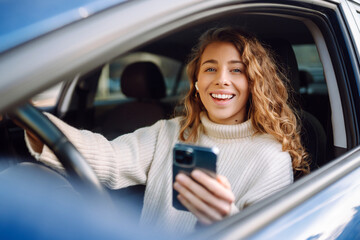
(235, 61)
(230, 62)
(209, 61)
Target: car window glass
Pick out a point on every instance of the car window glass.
(312, 79)
(48, 98)
(109, 87)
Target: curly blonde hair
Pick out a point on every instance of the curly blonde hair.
(268, 105)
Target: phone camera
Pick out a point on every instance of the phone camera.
(184, 157)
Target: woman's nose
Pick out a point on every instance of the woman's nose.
(223, 78)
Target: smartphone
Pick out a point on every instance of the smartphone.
(186, 158)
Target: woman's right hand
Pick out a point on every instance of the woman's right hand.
(207, 198)
(36, 144)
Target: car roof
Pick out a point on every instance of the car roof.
(30, 19)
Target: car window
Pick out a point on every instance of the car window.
(48, 98)
(312, 79)
(109, 87)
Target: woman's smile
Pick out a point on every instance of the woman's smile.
(222, 98)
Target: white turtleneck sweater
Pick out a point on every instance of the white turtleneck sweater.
(254, 164)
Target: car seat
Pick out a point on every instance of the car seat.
(316, 92)
(144, 86)
(313, 134)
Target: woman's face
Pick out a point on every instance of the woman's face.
(223, 84)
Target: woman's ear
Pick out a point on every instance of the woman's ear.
(196, 86)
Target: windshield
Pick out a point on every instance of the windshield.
(22, 22)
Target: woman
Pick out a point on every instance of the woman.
(238, 102)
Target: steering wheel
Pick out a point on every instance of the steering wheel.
(80, 173)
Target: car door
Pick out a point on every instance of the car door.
(324, 204)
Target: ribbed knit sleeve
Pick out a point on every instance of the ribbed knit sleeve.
(123, 162)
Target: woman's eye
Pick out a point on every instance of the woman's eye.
(236, 70)
(210, 70)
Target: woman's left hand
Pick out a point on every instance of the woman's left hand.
(209, 199)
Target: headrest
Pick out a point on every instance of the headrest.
(305, 78)
(143, 80)
(285, 58)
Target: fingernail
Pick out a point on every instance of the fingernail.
(196, 173)
(180, 177)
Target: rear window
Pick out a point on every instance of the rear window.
(312, 80)
(109, 87)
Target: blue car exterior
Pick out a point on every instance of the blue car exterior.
(333, 213)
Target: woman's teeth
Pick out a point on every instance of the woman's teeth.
(222, 96)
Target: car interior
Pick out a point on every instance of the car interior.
(148, 83)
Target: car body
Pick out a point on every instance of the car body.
(89, 52)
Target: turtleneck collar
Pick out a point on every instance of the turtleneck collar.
(235, 131)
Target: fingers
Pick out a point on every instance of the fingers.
(201, 210)
(223, 180)
(36, 144)
(219, 186)
(203, 218)
(202, 199)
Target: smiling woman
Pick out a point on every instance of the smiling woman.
(253, 163)
(230, 62)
